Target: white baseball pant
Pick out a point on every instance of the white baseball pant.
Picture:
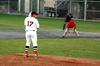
(31, 36)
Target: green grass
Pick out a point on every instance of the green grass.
(51, 23)
(81, 48)
(11, 21)
(16, 22)
(89, 26)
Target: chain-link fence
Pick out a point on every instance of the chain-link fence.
(81, 9)
(7, 6)
(91, 12)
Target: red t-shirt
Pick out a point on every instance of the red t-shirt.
(71, 24)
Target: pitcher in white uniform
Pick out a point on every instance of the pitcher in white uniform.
(31, 25)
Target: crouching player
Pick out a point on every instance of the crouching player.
(71, 28)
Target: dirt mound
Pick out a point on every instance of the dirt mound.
(44, 60)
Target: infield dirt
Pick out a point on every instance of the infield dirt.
(45, 60)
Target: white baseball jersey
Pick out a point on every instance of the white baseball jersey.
(31, 23)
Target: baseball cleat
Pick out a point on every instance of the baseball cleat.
(63, 36)
(26, 53)
(35, 54)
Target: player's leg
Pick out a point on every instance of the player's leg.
(35, 46)
(28, 41)
(65, 32)
(68, 31)
(76, 32)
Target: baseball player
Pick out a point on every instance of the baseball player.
(71, 27)
(67, 19)
(31, 25)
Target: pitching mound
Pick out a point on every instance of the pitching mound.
(44, 60)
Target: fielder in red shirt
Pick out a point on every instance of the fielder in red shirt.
(71, 28)
(71, 24)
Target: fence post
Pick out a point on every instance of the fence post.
(70, 6)
(38, 2)
(85, 9)
(19, 6)
(8, 6)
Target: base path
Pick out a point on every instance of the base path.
(13, 34)
(59, 33)
(44, 60)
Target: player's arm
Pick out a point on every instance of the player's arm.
(25, 21)
(37, 24)
(29, 14)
